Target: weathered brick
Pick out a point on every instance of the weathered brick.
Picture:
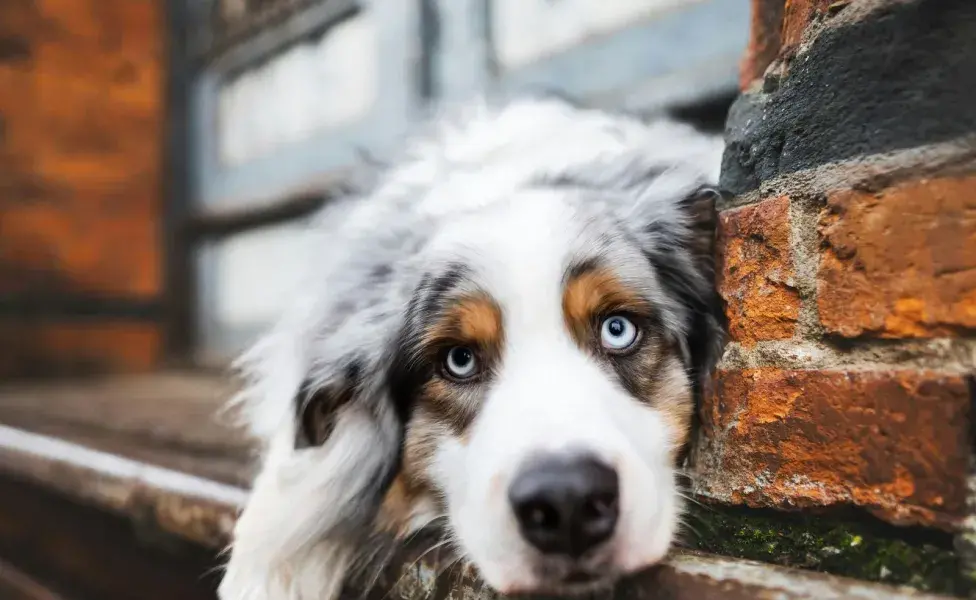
(102, 251)
(764, 40)
(56, 349)
(837, 103)
(756, 274)
(81, 160)
(900, 263)
(893, 442)
(81, 175)
(797, 16)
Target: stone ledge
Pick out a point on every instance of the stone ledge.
(190, 507)
(685, 576)
(203, 512)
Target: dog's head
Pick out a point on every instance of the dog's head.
(519, 371)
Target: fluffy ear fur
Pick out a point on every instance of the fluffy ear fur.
(662, 195)
(315, 498)
(318, 394)
(696, 287)
(664, 199)
(678, 239)
(317, 397)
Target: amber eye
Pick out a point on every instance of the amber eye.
(618, 333)
(461, 362)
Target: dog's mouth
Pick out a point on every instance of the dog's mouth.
(578, 577)
(568, 579)
(579, 582)
(576, 583)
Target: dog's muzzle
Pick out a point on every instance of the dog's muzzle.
(565, 505)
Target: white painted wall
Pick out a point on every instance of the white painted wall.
(333, 80)
(528, 30)
(254, 272)
(312, 86)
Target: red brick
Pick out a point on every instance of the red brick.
(81, 174)
(900, 263)
(895, 443)
(764, 40)
(99, 250)
(46, 349)
(756, 272)
(797, 16)
(81, 155)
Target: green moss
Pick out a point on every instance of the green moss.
(853, 548)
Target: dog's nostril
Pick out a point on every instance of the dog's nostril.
(539, 515)
(566, 505)
(600, 507)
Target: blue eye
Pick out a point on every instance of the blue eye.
(617, 333)
(461, 362)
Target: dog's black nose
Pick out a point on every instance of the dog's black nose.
(565, 505)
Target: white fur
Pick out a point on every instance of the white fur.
(462, 192)
(549, 396)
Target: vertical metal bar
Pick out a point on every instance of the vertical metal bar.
(430, 45)
(179, 282)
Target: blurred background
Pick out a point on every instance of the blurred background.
(157, 159)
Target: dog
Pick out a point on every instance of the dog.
(501, 338)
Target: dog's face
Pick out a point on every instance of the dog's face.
(546, 369)
(507, 348)
(549, 396)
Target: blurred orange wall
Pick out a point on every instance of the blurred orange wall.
(81, 156)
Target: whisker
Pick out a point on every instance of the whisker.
(695, 501)
(408, 568)
(686, 525)
(449, 566)
(212, 571)
(379, 568)
(708, 525)
(458, 555)
(371, 567)
(429, 521)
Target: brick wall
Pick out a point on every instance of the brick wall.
(81, 128)
(849, 267)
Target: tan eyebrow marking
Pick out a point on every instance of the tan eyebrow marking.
(593, 292)
(474, 319)
(654, 375)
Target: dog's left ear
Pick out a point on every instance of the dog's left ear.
(313, 504)
(706, 334)
(701, 216)
(680, 243)
(318, 409)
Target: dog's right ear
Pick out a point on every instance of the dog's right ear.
(323, 479)
(318, 410)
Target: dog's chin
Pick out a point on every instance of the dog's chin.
(565, 578)
(575, 584)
